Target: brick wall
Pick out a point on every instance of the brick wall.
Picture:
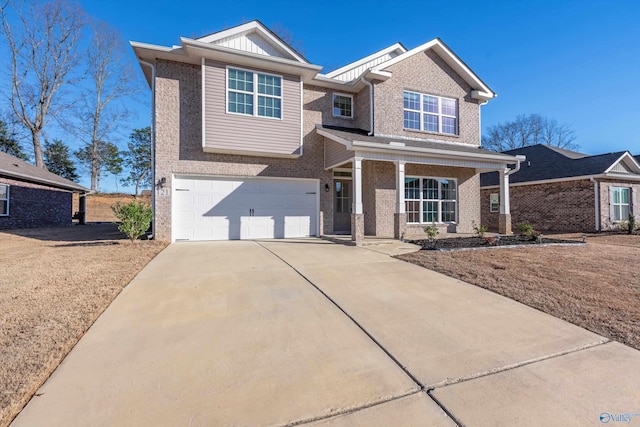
(558, 206)
(33, 205)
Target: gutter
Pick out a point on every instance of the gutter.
(371, 110)
(596, 198)
(153, 143)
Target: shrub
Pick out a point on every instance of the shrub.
(431, 231)
(135, 218)
(631, 224)
(525, 228)
(480, 230)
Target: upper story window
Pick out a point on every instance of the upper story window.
(4, 200)
(254, 94)
(430, 113)
(342, 105)
(620, 203)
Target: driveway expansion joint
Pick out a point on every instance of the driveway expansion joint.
(452, 381)
(444, 408)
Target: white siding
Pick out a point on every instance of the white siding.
(335, 153)
(354, 73)
(253, 43)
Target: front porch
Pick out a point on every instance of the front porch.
(394, 188)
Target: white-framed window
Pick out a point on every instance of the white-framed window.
(430, 200)
(254, 94)
(342, 105)
(620, 203)
(4, 200)
(430, 113)
(494, 202)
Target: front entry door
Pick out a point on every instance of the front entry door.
(342, 206)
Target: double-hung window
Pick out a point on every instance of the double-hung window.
(254, 94)
(430, 113)
(4, 200)
(342, 105)
(620, 198)
(494, 202)
(430, 200)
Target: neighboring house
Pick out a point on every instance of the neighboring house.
(562, 190)
(252, 141)
(33, 197)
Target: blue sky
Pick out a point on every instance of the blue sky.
(575, 61)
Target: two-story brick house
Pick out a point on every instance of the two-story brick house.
(252, 141)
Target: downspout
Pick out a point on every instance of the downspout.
(480, 120)
(371, 122)
(512, 171)
(596, 198)
(153, 144)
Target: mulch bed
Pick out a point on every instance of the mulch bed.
(461, 243)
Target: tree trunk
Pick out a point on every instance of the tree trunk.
(37, 148)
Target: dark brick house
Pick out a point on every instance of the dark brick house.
(562, 190)
(33, 197)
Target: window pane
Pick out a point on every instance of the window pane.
(411, 120)
(624, 195)
(449, 125)
(624, 212)
(3, 191)
(240, 103)
(430, 189)
(241, 80)
(449, 107)
(269, 107)
(269, 85)
(412, 210)
(429, 211)
(411, 188)
(494, 201)
(430, 104)
(3, 207)
(412, 101)
(448, 211)
(448, 189)
(430, 123)
(342, 106)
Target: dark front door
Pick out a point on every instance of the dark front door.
(342, 206)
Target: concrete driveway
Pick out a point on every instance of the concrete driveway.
(307, 331)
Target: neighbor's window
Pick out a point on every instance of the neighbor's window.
(342, 105)
(494, 202)
(620, 203)
(4, 200)
(430, 113)
(254, 94)
(429, 200)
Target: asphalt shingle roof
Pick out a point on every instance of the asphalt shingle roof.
(12, 167)
(544, 162)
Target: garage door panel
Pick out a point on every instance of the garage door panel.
(223, 209)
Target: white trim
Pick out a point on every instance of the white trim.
(254, 93)
(251, 153)
(596, 195)
(440, 115)
(573, 178)
(497, 209)
(612, 204)
(421, 200)
(628, 156)
(301, 117)
(204, 103)
(359, 62)
(6, 199)
(333, 100)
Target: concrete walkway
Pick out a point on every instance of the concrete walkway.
(308, 331)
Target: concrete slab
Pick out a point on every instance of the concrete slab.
(441, 329)
(216, 334)
(573, 390)
(414, 410)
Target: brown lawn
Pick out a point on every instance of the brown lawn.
(54, 283)
(99, 205)
(596, 286)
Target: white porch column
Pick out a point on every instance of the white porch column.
(357, 216)
(400, 216)
(504, 220)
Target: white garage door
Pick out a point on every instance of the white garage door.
(230, 209)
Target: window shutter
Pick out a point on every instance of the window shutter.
(611, 204)
(634, 202)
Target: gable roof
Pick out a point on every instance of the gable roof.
(12, 167)
(357, 68)
(549, 163)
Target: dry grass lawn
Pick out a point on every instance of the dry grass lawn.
(54, 283)
(99, 205)
(596, 286)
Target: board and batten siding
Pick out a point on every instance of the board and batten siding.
(335, 153)
(228, 132)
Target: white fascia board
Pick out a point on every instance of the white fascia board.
(348, 67)
(321, 80)
(628, 156)
(450, 58)
(250, 153)
(269, 63)
(621, 176)
(253, 26)
(332, 137)
(547, 181)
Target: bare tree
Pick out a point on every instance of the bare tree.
(528, 130)
(43, 55)
(110, 79)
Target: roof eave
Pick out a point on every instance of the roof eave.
(43, 181)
